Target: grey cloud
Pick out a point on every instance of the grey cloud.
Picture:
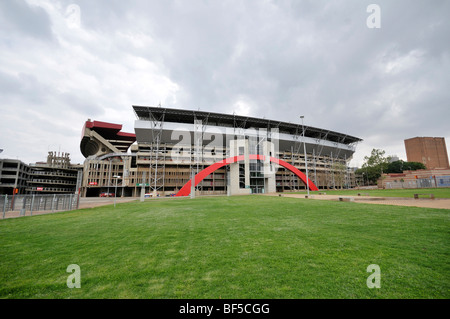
(81, 104)
(287, 57)
(17, 17)
(25, 85)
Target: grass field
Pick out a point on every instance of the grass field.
(407, 193)
(228, 247)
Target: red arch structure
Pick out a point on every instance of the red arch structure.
(186, 189)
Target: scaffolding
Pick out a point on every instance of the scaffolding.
(295, 154)
(152, 150)
(157, 154)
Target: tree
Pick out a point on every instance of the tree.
(400, 166)
(395, 167)
(413, 166)
(374, 165)
(377, 159)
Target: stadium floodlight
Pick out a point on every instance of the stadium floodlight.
(306, 160)
(1, 150)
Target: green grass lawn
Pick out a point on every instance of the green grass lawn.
(408, 193)
(228, 247)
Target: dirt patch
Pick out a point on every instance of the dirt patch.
(91, 202)
(443, 203)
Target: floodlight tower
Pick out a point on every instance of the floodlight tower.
(306, 159)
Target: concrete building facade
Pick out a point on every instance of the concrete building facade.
(55, 176)
(14, 175)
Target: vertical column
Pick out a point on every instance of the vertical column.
(193, 184)
(237, 148)
(269, 169)
(234, 170)
(143, 187)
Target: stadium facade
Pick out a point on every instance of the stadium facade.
(179, 152)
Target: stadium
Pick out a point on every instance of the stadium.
(221, 153)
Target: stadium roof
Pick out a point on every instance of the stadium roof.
(231, 120)
(110, 133)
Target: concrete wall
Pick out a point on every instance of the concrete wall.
(416, 179)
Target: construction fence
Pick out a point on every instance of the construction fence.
(438, 181)
(26, 205)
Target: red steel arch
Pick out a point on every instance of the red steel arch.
(186, 189)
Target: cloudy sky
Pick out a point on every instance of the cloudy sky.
(62, 62)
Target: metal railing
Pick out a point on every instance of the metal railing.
(51, 181)
(23, 205)
(53, 173)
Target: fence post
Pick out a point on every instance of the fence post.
(4, 206)
(70, 202)
(24, 204)
(32, 203)
(13, 203)
(53, 203)
(78, 198)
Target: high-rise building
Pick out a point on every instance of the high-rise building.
(13, 176)
(431, 151)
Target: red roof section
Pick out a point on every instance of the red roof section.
(110, 131)
(103, 125)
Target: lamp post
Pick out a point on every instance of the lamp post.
(115, 192)
(306, 160)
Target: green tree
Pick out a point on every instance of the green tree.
(413, 166)
(377, 159)
(400, 166)
(374, 166)
(395, 167)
